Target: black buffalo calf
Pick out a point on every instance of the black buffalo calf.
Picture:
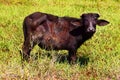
(58, 33)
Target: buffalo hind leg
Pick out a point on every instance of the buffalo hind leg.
(27, 47)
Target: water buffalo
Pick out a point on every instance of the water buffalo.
(58, 33)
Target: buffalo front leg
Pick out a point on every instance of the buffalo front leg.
(72, 56)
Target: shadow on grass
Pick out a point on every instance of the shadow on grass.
(62, 58)
(83, 60)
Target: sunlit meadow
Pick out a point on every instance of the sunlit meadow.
(99, 57)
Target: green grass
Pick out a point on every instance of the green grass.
(101, 53)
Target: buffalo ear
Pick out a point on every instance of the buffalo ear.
(102, 22)
(76, 23)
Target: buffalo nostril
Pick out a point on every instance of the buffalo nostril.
(91, 30)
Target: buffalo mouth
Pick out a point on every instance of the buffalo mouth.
(90, 32)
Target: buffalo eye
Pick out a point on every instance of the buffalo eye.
(96, 16)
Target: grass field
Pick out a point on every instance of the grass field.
(99, 57)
